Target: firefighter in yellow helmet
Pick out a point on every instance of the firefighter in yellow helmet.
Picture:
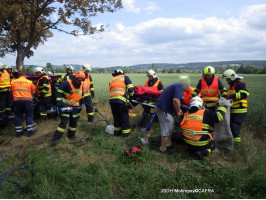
(69, 95)
(209, 86)
(119, 86)
(5, 108)
(88, 91)
(237, 91)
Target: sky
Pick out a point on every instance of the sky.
(163, 31)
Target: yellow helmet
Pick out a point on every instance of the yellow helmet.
(209, 70)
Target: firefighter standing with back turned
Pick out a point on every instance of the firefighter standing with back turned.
(23, 91)
(209, 86)
(88, 92)
(4, 92)
(44, 92)
(119, 85)
(237, 91)
(198, 124)
(69, 94)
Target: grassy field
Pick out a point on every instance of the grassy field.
(97, 169)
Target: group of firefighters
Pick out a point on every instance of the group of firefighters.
(73, 90)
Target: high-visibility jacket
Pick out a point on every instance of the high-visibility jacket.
(74, 96)
(4, 81)
(117, 88)
(187, 94)
(41, 88)
(87, 86)
(239, 105)
(155, 86)
(193, 128)
(22, 88)
(210, 93)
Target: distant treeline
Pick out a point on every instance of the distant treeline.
(249, 69)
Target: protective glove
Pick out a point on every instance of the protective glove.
(92, 94)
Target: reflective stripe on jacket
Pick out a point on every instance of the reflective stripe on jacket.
(210, 93)
(193, 128)
(40, 88)
(239, 105)
(117, 88)
(75, 95)
(22, 89)
(155, 86)
(4, 81)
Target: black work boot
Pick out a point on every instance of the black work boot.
(90, 118)
(57, 136)
(31, 133)
(199, 155)
(117, 133)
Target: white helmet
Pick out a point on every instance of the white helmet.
(151, 73)
(86, 67)
(117, 72)
(231, 74)
(39, 69)
(1, 66)
(70, 67)
(110, 129)
(196, 102)
(49, 73)
(8, 67)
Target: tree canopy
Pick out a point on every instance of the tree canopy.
(26, 24)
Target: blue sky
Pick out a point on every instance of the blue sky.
(170, 31)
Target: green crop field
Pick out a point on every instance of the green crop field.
(97, 169)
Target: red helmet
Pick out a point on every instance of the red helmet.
(80, 75)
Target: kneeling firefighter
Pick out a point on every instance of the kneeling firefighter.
(119, 85)
(197, 126)
(69, 94)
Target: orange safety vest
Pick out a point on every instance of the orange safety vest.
(117, 88)
(210, 93)
(87, 86)
(22, 89)
(50, 88)
(187, 96)
(75, 95)
(4, 81)
(155, 86)
(237, 103)
(193, 126)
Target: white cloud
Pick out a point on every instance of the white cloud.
(129, 6)
(255, 16)
(173, 40)
(151, 7)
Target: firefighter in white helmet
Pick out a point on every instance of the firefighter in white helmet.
(154, 83)
(198, 124)
(209, 86)
(237, 91)
(69, 74)
(88, 91)
(44, 92)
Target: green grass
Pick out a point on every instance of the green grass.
(97, 169)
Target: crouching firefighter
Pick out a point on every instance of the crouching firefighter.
(119, 85)
(69, 94)
(238, 93)
(197, 126)
(88, 92)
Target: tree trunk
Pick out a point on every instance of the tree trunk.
(20, 60)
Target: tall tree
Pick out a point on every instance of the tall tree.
(24, 24)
